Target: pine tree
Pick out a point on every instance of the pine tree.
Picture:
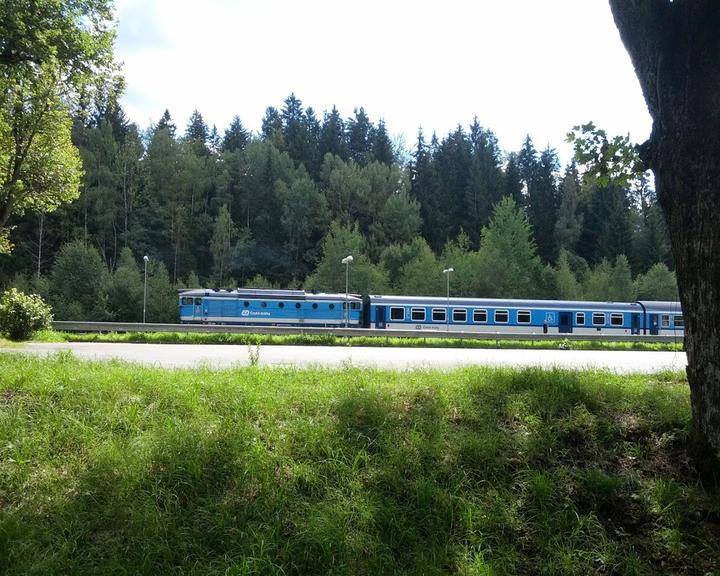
(527, 161)
(214, 143)
(359, 137)
(420, 274)
(164, 213)
(513, 185)
(652, 242)
(509, 266)
(311, 129)
(606, 228)
(294, 129)
(452, 163)
(485, 181)
(569, 220)
(272, 127)
(166, 123)
(568, 288)
(543, 204)
(197, 134)
(598, 284)
(622, 289)
(424, 189)
(382, 149)
(332, 136)
(236, 137)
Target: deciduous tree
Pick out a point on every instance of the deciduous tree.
(675, 48)
(53, 55)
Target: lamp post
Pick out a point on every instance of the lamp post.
(145, 259)
(347, 260)
(447, 272)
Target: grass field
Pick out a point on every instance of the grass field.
(379, 341)
(119, 469)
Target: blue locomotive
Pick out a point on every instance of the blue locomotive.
(270, 308)
(488, 315)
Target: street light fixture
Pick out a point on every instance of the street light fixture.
(447, 271)
(347, 260)
(145, 259)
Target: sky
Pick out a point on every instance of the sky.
(521, 66)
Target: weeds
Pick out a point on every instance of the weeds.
(254, 352)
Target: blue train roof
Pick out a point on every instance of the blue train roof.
(505, 303)
(267, 294)
(662, 307)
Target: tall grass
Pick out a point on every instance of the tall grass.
(330, 340)
(120, 469)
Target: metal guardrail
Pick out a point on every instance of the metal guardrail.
(65, 326)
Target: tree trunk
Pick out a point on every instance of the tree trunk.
(675, 48)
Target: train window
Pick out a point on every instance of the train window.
(459, 315)
(281, 304)
(185, 301)
(580, 318)
(502, 316)
(397, 313)
(314, 305)
(439, 315)
(417, 314)
(263, 304)
(598, 318)
(297, 305)
(331, 306)
(246, 303)
(480, 316)
(665, 321)
(616, 319)
(198, 301)
(679, 321)
(523, 316)
(355, 305)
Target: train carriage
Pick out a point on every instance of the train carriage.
(663, 318)
(504, 315)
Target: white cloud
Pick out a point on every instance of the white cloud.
(521, 66)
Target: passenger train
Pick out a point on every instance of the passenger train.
(488, 315)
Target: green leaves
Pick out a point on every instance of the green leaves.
(605, 160)
(53, 54)
(22, 314)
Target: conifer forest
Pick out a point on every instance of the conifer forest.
(282, 207)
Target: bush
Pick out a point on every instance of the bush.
(22, 314)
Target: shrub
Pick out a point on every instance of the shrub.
(22, 314)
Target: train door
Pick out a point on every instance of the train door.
(198, 309)
(654, 324)
(565, 324)
(635, 324)
(380, 317)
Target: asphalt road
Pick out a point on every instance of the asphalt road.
(219, 356)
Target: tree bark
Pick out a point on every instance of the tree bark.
(675, 48)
